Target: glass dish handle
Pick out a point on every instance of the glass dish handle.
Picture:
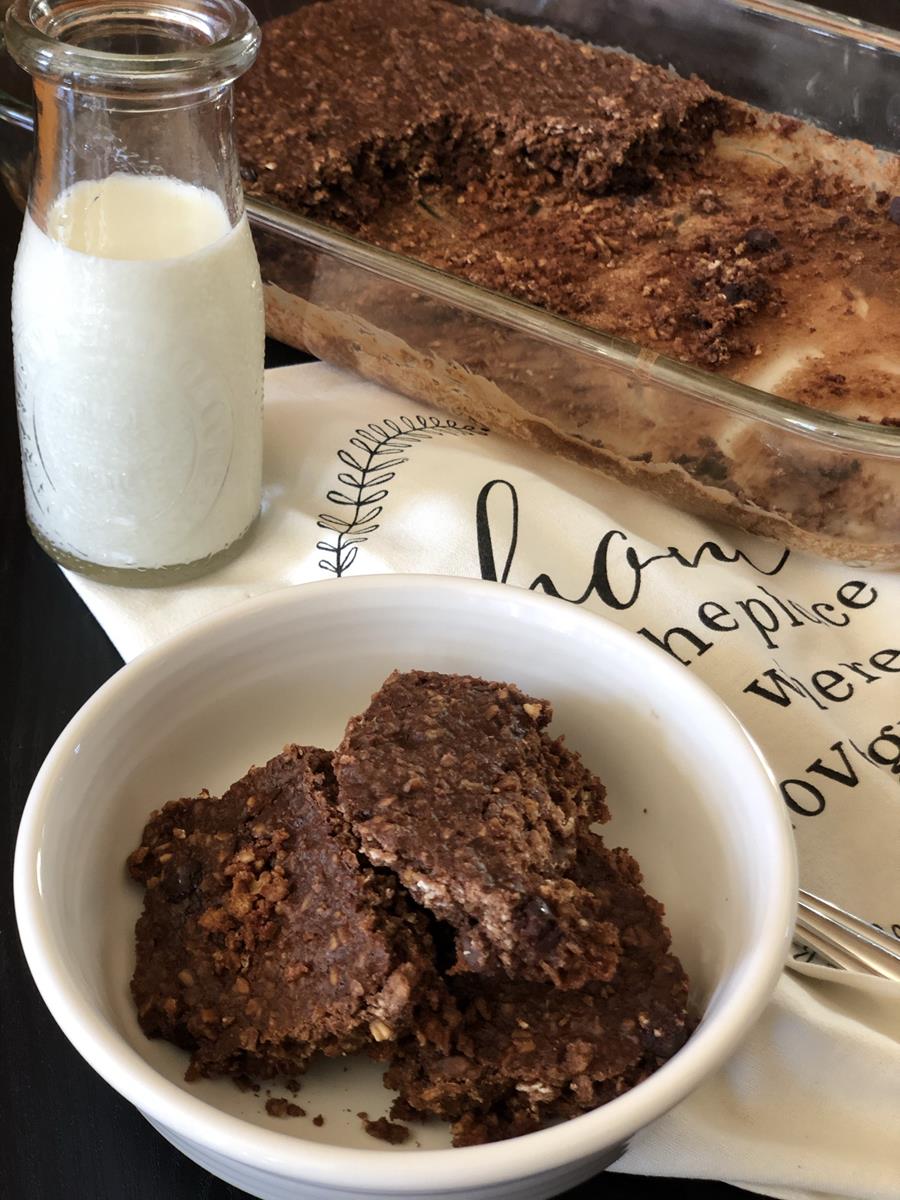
(16, 112)
(16, 140)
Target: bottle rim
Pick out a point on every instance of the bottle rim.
(204, 43)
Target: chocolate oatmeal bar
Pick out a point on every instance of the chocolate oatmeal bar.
(453, 783)
(291, 917)
(265, 937)
(504, 1056)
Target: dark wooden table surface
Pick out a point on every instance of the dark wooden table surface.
(66, 1134)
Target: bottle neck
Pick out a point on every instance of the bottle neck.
(80, 135)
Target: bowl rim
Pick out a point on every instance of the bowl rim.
(400, 1172)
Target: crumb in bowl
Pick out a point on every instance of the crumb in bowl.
(385, 1130)
(280, 1106)
(528, 980)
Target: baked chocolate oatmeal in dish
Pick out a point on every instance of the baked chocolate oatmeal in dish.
(529, 979)
(610, 192)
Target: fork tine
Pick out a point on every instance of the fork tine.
(875, 950)
(870, 932)
(827, 950)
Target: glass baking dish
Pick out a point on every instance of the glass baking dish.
(813, 480)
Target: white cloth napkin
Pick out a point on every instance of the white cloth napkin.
(360, 480)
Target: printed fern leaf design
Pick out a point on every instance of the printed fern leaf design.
(369, 465)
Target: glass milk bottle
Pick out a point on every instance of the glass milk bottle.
(137, 306)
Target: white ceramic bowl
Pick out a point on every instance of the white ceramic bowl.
(689, 793)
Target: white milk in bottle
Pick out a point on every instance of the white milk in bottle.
(138, 337)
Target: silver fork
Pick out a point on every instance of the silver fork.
(846, 940)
